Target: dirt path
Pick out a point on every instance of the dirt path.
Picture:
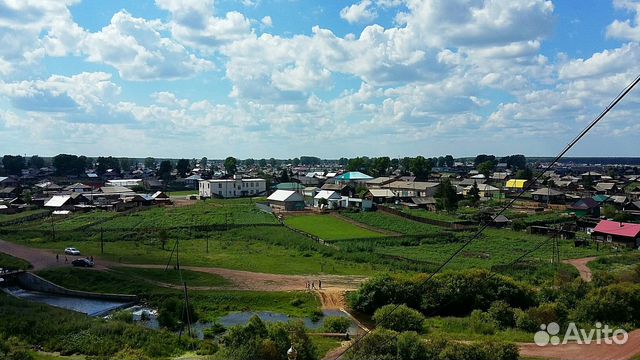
(241, 280)
(593, 351)
(581, 265)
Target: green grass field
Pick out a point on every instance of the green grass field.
(396, 224)
(9, 262)
(431, 215)
(329, 227)
(171, 276)
(7, 218)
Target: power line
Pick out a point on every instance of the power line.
(570, 145)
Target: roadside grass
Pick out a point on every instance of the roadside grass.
(459, 329)
(209, 304)
(615, 263)
(181, 193)
(171, 276)
(324, 345)
(268, 249)
(329, 227)
(10, 262)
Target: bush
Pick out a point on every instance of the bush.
(482, 323)
(123, 315)
(502, 313)
(336, 324)
(617, 303)
(208, 347)
(380, 344)
(524, 322)
(215, 329)
(171, 314)
(399, 318)
(546, 313)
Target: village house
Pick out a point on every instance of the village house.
(406, 189)
(617, 232)
(327, 198)
(380, 196)
(125, 183)
(486, 191)
(354, 178)
(548, 195)
(516, 184)
(585, 207)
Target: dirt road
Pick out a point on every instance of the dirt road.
(241, 280)
(592, 351)
(581, 265)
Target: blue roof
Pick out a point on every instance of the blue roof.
(354, 175)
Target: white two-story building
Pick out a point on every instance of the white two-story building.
(232, 188)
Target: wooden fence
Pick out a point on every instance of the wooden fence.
(450, 225)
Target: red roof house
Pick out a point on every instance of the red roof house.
(615, 231)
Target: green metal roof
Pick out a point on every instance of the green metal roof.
(289, 186)
(353, 175)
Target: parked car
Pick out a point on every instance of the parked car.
(82, 262)
(72, 251)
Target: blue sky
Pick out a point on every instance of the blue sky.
(285, 78)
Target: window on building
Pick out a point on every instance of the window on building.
(220, 185)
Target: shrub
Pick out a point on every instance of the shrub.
(123, 316)
(380, 344)
(399, 318)
(482, 323)
(336, 324)
(546, 313)
(502, 313)
(215, 329)
(617, 303)
(296, 302)
(171, 314)
(524, 322)
(208, 347)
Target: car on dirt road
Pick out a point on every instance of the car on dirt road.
(72, 251)
(82, 262)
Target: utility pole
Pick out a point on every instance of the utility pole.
(101, 240)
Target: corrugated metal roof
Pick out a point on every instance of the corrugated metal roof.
(327, 194)
(285, 195)
(354, 175)
(57, 201)
(383, 193)
(516, 183)
(618, 228)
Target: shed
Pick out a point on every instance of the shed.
(333, 198)
(288, 200)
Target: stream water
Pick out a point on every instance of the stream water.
(90, 307)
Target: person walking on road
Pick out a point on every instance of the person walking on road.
(319, 284)
(57, 258)
(66, 260)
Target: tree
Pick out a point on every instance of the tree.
(515, 162)
(380, 166)
(284, 176)
(482, 158)
(343, 161)
(249, 162)
(36, 162)
(273, 162)
(231, 165)
(125, 164)
(361, 164)
(203, 163)
(13, 165)
(103, 164)
(399, 318)
(183, 167)
(309, 160)
(525, 173)
(150, 163)
(448, 160)
(474, 193)
(441, 161)
(262, 163)
(446, 196)
(421, 167)
(485, 168)
(295, 162)
(66, 164)
(164, 172)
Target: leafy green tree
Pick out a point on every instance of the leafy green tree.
(609, 211)
(66, 164)
(203, 163)
(361, 164)
(150, 163)
(482, 158)
(231, 165)
(183, 167)
(295, 162)
(249, 162)
(164, 172)
(36, 162)
(421, 167)
(13, 165)
(336, 324)
(105, 163)
(343, 161)
(125, 164)
(380, 166)
(525, 173)
(284, 176)
(449, 161)
(399, 318)
(474, 193)
(441, 162)
(273, 162)
(262, 163)
(446, 196)
(486, 168)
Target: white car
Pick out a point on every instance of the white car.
(72, 251)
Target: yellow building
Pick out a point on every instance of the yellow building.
(516, 184)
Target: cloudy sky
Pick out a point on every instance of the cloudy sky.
(284, 78)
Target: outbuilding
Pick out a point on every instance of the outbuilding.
(287, 200)
(618, 232)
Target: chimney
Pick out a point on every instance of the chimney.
(621, 224)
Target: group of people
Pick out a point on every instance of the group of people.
(311, 285)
